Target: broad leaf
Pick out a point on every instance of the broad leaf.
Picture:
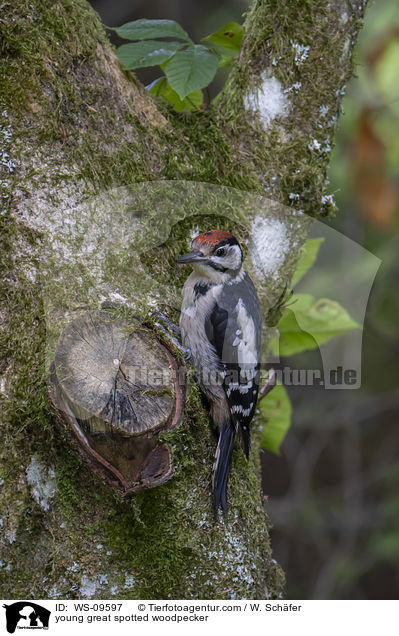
(148, 53)
(191, 69)
(309, 323)
(275, 411)
(229, 36)
(161, 88)
(144, 29)
(225, 60)
(307, 258)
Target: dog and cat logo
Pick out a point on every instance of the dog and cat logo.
(26, 615)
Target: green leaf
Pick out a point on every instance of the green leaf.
(225, 60)
(148, 53)
(307, 258)
(275, 411)
(144, 29)
(229, 36)
(191, 69)
(308, 323)
(161, 88)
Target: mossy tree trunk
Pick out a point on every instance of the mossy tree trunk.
(73, 126)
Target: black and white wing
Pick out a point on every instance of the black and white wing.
(234, 329)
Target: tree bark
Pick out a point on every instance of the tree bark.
(101, 187)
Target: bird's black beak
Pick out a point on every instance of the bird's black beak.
(192, 257)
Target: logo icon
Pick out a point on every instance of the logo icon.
(26, 615)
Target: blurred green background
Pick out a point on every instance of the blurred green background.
(333, 493)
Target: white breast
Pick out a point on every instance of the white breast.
(192, 323)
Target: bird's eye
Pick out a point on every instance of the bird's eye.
(220, 252)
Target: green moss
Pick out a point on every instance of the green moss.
(182, 553)
(39, 42)
(292, 155)
(163, 537)
(84, 123)
(84, 104)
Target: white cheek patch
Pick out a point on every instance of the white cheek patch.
(232, 259)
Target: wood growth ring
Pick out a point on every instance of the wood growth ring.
(117, 387)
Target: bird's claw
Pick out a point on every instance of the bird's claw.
(169, 324)
(166, 330)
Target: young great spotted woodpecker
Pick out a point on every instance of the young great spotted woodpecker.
(220, 324)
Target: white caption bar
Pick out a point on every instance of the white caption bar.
(305, 618)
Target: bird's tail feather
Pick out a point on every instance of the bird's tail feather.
(244, 435)
(222, 465)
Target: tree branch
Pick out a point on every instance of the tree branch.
(283, 98)
(101, 188)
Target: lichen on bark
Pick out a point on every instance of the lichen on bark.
(285, 94)
(75, 130)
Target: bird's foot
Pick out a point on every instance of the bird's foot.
(159, 316)
(168, 328)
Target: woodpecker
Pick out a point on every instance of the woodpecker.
(220, 324)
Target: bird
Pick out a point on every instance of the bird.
(220, 324)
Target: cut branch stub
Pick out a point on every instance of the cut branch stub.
(117, 387)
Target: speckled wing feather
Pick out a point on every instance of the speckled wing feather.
(234, 329)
